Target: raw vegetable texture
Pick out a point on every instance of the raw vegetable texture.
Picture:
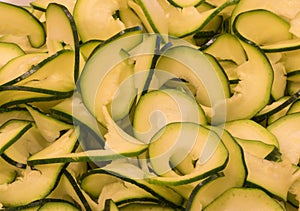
(150, 105)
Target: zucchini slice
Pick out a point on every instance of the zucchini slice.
(120, 172)
(282, 46)
(40, 181)
(194, 151)
(20, 67)
(87, 48)
(56, 69)
(16, 95)
(244, 199)
(62, 30)
(235, 174)
(261, 27)
(59, 25)
(257, 148)
(18, 21)
(220, 49)
(276, 109)
(287, 9)
(101, 77)
(253, 91)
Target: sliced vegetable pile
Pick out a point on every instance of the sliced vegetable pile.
(150, 105)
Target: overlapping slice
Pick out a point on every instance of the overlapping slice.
(185, 152)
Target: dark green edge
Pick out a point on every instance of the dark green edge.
(283, 49)
(293, 73)
(34, 89)
(107, 204)
(87, 158)
(156, 180)
(11, 109)
(141, 200)
(13, 162)
(37, 7)
(35, 99)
